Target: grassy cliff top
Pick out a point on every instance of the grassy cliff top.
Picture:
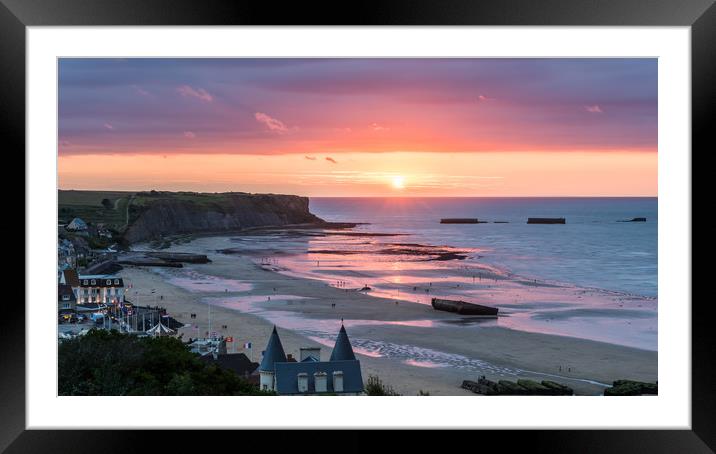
(116, 209)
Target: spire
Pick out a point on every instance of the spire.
(274, 353)
(342, 351)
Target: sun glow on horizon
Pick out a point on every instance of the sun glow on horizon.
(398, 182)
(514, 174)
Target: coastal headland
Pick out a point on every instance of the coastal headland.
(252, 261)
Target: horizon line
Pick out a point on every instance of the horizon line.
(380, 196)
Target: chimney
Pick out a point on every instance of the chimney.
(338, 381)
(306, 352)
(303, 382)
(320, 380)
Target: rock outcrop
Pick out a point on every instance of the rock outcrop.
(163, 214)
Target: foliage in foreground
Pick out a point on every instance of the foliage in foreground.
(108, 363)
(375, 387)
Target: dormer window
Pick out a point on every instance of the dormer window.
(302, 382)
(94, 282)
(109, 281)
(84, 282)
(116, 282)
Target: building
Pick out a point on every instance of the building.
(66, 256)
(101, 289)
(77, 225)
(66, 301)
(239, 363)
(71, 278)
(206, 346)
(341, 374)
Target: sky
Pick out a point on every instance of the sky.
(360, 127)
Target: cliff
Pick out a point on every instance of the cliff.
(155, 214)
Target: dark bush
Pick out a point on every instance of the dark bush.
(108, 363)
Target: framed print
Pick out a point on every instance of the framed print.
(474, 217)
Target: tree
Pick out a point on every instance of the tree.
(109, 363)
(107, 204)
(375, 387)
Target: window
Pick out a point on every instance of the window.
(65, 297)
(94, 282)
(116, 282)
(109, 281)
(84, 282)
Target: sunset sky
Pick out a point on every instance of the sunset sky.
(361, 127)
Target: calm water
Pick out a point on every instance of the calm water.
(592, 249)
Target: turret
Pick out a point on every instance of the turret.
(342, 351)
(274, 353)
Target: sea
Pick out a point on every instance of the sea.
(593, 277)
(593, 249)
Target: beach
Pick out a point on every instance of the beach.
(395, 334)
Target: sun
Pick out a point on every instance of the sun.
(398, 182)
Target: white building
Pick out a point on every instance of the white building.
(100, 289)
(207, 346)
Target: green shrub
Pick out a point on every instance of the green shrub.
(109, 363)
(375, 387)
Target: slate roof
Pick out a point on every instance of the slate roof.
(273, 354)
(77, 224)
(287, 375)
(100, 281)
(71, 278)
(238, 362)
(342, 351)
(65, 290)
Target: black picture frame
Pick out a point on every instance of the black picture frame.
(16, 15)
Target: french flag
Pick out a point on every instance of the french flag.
(247, 345)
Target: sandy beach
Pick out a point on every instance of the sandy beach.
(410, 346)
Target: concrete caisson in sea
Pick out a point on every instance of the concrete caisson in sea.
(460, 221)
(546, 221)
(463, 308)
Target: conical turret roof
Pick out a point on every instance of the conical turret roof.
(342, 351)
(274, 353)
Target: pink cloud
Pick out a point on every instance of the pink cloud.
(377, 127)
(271, 123)
(189, 134)
(482, 98)
(108, 126)
(330, 159)
(141, 91)
(593, 109)
(310, 158)
(199, 93)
